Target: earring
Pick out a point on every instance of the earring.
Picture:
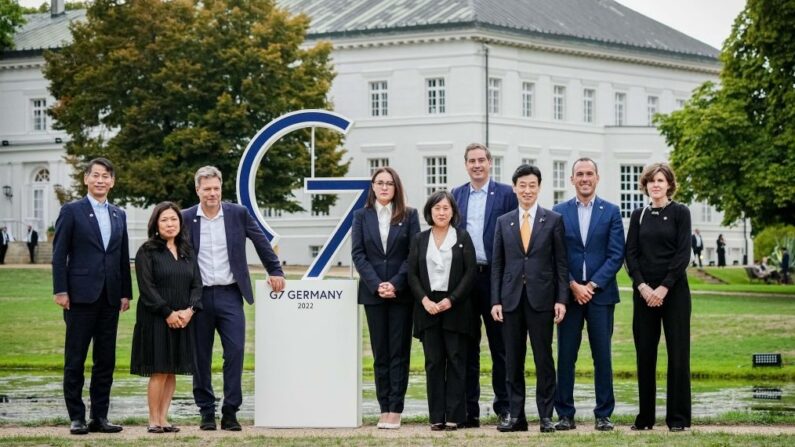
(157, 233)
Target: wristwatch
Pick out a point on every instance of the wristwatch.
(593, 285)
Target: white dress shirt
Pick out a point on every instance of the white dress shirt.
(439, 260)
(384, 213)
(584, 213)
(476, 219)
(213, 255)
(103, 219)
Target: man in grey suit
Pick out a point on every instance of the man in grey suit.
(529, 293)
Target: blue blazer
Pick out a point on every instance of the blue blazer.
(603, 251)
(239, 225)
(373, 264)
(543, 268)
(81, 266)
(500, 200)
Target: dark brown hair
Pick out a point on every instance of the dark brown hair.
(155, 241)
(475, 146)
(651, 170)
(399, 209)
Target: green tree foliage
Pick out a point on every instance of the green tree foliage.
(771, 237)
(10, 19)
(734, 145)
(162, 88)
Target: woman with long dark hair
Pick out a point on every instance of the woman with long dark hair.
(170, 285)
(380, 238)
(721, 251)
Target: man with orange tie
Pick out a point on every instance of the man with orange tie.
(529, 283)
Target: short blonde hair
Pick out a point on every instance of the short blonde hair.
(207, 172)
(651, 170)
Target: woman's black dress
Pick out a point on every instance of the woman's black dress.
(165, 285)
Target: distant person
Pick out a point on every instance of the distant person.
(92, 283)
(218, 233)
(721, 251)
(5, 241)
(380, 240)
(441, 271)
(658, 252)
(32, 239)
(785, 265)
(698, 246)
(170, 287)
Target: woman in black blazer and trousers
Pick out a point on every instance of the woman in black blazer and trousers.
(381, 234)
(442, 267)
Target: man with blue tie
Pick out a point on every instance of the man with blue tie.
(481, 202)
(529, 292)
(218, 233)
(595, 249)
(91, 282)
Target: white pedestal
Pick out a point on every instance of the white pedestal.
(308, 355)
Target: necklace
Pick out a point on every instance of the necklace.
(657, 211)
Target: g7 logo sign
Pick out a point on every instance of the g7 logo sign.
(256, 149)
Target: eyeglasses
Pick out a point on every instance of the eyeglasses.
(381, 184)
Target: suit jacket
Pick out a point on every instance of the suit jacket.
(462, 273)
(34, 238)
(544, 268)
(696, 246)
(376, 266)
(238, 225)
(603, 251)
(81, 266)
(499, 201)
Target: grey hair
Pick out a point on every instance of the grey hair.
(207, 172)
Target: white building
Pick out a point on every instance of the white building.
(539, 81)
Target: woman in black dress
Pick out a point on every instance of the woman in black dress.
(170, 285)
(721, 251)
(442, 267)
(658, 252)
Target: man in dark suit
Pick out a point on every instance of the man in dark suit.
(698, 246)
(91, 282)
(481, 202)
(5, 241)
(218, 235)
(785, 265)
(529, 292)
(32, 240)
(595, 247)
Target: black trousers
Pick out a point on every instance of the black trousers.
(390, 339)
(481, 293)
(445, 365)
(86, 323)
(3, 250)
(32, 251)
(674, 317)
(539, 325)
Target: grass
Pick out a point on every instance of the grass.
(726, 331)
(736, 278)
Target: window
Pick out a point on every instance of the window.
(436, 95)
(39, 113)
(588, 98)
(435, 174)
(558, 103)
(558, 181)
(528, 98)
(42, 176)
(529, 161)
(314, 250)
(271, 212)
(496, 169)
(495, 85)
(316, 200)
(378, 98)
(631, 197)
(680, 104)
(706, 213)
(375, 163)
(621, 109)
(651, 109)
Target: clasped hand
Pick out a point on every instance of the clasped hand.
(436, 308)
(179, 319)
(387, 290)
(653, 297)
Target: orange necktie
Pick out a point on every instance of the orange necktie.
(524, 230)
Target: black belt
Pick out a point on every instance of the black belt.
(484, 268)
(232, 286)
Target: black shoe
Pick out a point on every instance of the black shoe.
(155, 429)
(638, 427)
(229, 422)
(170, 429)
(437, 427)
(78, 427)
(565, 423)
(503, 418)
(513, 424)
(103, 425)
(451, 426)
(208, 422)
(547, 426)
(470, 423)
(676, 428)
(603, 424)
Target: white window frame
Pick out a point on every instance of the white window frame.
(652, 107)
(620, 108)
(435, 173)
(496, 168)
(588, 105)
(375, 163)
(528, 99)
(558, 181)
(629, 181)
(494, 95)
(379, 98)
(559, 102)
(435, 96)
(529, 161)
(38, 114)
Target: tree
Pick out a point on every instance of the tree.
(10, 19)
(734, 145)
(771, 238)
(162, 88)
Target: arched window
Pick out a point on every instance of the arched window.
(42, 176)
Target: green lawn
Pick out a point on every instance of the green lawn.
(736, 278)
(726, 331)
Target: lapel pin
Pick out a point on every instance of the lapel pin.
(601, 207)
(90, 215)
(492, 193)
(195, 220)
(665, 217)
(541, 220)
(511, 223)
(400, 224)
(460, 245)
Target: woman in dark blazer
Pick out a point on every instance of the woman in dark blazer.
(381, 234)
(721, 251)
(442, 267)
(658, 252)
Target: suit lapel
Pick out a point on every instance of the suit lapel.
(394, 230)
(195, 230)
(573, 218)
(93, 222)
(462, 207)
(540, 219)
(596, 214)
(371, 222)
(490, 198)
(423, 249)
(515, 230)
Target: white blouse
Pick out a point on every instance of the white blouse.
(384, 213)
(439, 260)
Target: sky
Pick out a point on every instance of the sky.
(709, 21)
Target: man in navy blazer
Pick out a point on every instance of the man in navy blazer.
(91, 282)
(481, 202)
(595, 247)
(529, 292)
(218, 233)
